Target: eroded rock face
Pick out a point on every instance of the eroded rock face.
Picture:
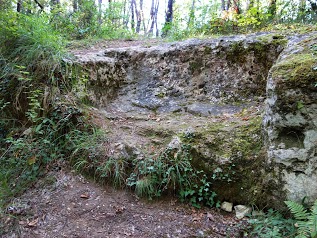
(193, 75)
(291, 119)
(209, 94)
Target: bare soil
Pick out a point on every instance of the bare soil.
(67, 205)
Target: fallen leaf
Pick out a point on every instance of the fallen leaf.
(210, 217)
(33, 223)
(85, 196)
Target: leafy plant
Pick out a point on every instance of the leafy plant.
(200, 192)
(306, 220)
(272, 225)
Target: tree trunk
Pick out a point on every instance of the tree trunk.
(191, 14)
(99, 11)
(236, 6)
(39, 4)
(126, 13)
(223, 5)
(228, 5)
(19, 5)
(75, 5)
(154, 11)
(169, 12)
(132, 15)
(138, 16)
(313, 6)
(168, 18)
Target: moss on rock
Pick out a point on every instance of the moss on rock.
(231, 153)
(297, 70)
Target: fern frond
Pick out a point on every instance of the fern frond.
(298, 210)
(303, 230)
(314, 208)
(312, 224)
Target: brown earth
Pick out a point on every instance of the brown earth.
(68, 205)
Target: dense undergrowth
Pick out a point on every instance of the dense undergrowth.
(42, 124)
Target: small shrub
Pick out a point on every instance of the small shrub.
(272, 225)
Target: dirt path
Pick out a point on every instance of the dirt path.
(75, 207)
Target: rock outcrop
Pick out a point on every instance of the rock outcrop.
(210, 95)
(290, 119)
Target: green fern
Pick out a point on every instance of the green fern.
(298, 210)
(306, 220)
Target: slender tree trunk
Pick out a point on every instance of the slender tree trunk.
(313, 6)
(236, 6)
(142, 15)
(154, 11)
(223, 5)
(151, 20)
(168, 17)
(75, 5)
(228, 5)
(132, 15)
(169, 12)
(127, 11)
(138, 16)
(39, 4)
(191, 14)
(19, 5)
(100, 11)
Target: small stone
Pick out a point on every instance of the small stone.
(227, 206)
(175, 143)
(242, 211)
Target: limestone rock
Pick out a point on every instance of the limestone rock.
(175, 143)
(290, 120)
(216, 87)
(242, 211)
(227, 206)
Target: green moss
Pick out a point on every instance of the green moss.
(273, 39)
(207, 50)
(195, 65)
(236, 154)
(236, 139)
(298, 69)
(236, 53)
